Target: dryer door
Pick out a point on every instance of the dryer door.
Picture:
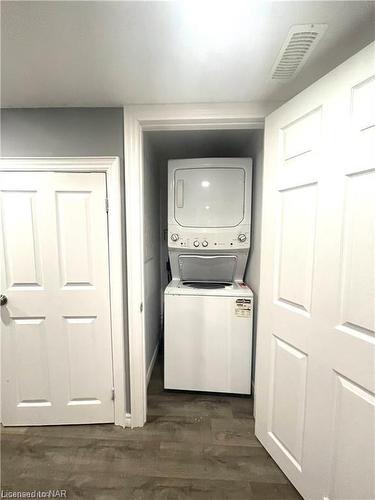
(209, 197)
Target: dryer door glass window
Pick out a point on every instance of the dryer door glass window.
(209, 197)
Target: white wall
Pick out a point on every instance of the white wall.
(151, 243)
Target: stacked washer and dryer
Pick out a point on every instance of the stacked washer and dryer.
(208, 308)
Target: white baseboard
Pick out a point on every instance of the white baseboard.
(128, 417)
(254, 398)
(152, 362)
(128, 420)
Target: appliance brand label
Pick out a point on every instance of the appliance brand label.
(243, 308)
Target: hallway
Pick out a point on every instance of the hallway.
(193, 446)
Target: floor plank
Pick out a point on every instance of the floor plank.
(194, 446)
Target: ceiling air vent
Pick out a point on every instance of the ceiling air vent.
(300, 42)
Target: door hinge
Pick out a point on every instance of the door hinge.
(141, 307)
(113, 393)
(106, 205)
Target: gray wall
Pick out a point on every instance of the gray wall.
(62, 132)
(67, 132)
(151, 246)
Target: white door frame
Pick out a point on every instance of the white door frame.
(110, 165)
(138, 119)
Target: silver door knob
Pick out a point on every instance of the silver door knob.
(3, 300)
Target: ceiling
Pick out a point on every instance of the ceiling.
(59, 53)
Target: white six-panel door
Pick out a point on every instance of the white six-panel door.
(315, 378)
(55, 328)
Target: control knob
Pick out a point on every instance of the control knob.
(204, 243)
(196, 243)
(174, 237)
(242, 238)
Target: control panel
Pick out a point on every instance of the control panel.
(209, 241)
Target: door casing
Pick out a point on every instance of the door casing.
(110, 165)
(138, 119)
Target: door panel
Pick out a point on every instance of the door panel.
(80, 333)
(315, 353)
(73, 226)
(300, 144)
(354, 407)
(362, 124)
(288, 407)
(295, 262)
(358, 296)
(22, 262)
(29, 350)
(56, 332)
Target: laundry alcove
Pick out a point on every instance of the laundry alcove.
(159, 147)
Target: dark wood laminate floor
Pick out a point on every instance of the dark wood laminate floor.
(193, 447)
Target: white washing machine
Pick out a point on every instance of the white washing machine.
(208, 309)
(208, 337)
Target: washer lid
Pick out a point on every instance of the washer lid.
(235, 289)
(212, 268)
(206, 285)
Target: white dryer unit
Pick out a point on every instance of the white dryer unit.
(208, 337)
(209, 209)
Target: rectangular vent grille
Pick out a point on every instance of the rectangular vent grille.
(300, 42)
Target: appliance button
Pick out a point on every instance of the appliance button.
(242, 238)
(196, 243)
(174, 237)
(204, 243)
